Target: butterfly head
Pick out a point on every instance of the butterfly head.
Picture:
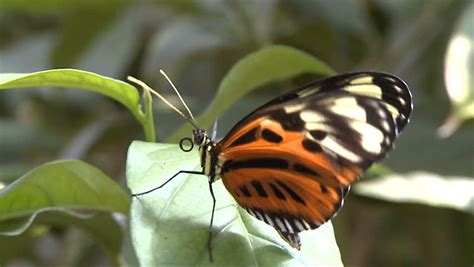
(200, 137)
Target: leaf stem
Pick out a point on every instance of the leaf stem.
(148, 123)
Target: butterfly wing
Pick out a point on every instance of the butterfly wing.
(291, 162)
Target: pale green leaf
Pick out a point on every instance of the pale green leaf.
(424, 188)
(458, 73)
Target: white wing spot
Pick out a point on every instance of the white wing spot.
(370, 90)
(319, 126)
(294, 108)
(368, 131)
(299, 225)
(392, 110)
(311, 116)
(279, 223)
(362, 80)
(402, 101)
(397, 88)
(307, 92)
(371, 147)
(386, 126)
(371, 136)
(346, 101)
(381, 113)
(288, 226)
(306, 224)
(269, 219)
(251, 212)
(348, 107)
(331, 144)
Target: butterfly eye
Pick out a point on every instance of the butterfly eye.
(199, 137)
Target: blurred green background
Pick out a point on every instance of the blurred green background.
(197, 42)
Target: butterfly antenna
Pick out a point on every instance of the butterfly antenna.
(148, 88)
(179, 95)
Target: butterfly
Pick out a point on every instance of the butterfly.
(291, 162)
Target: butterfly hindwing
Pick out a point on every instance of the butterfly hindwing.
(291, 162)
(289, 203)
(283, 184)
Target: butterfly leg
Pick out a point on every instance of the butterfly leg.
(212, 219)
(167, 181)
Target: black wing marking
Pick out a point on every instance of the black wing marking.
(383, 87)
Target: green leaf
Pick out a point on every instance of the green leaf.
(70, 78)
(270, 64)
(101, 227)
(60, 185)
(458, 71)
(68, 192)
(424, 188)
(170, 225)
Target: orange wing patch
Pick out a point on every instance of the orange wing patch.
(284, 192)
(265, 138)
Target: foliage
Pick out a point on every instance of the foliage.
(65, 193)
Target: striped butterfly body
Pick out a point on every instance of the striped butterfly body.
(292, 161)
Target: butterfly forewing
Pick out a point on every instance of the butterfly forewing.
(291, 162)
(393, 92)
